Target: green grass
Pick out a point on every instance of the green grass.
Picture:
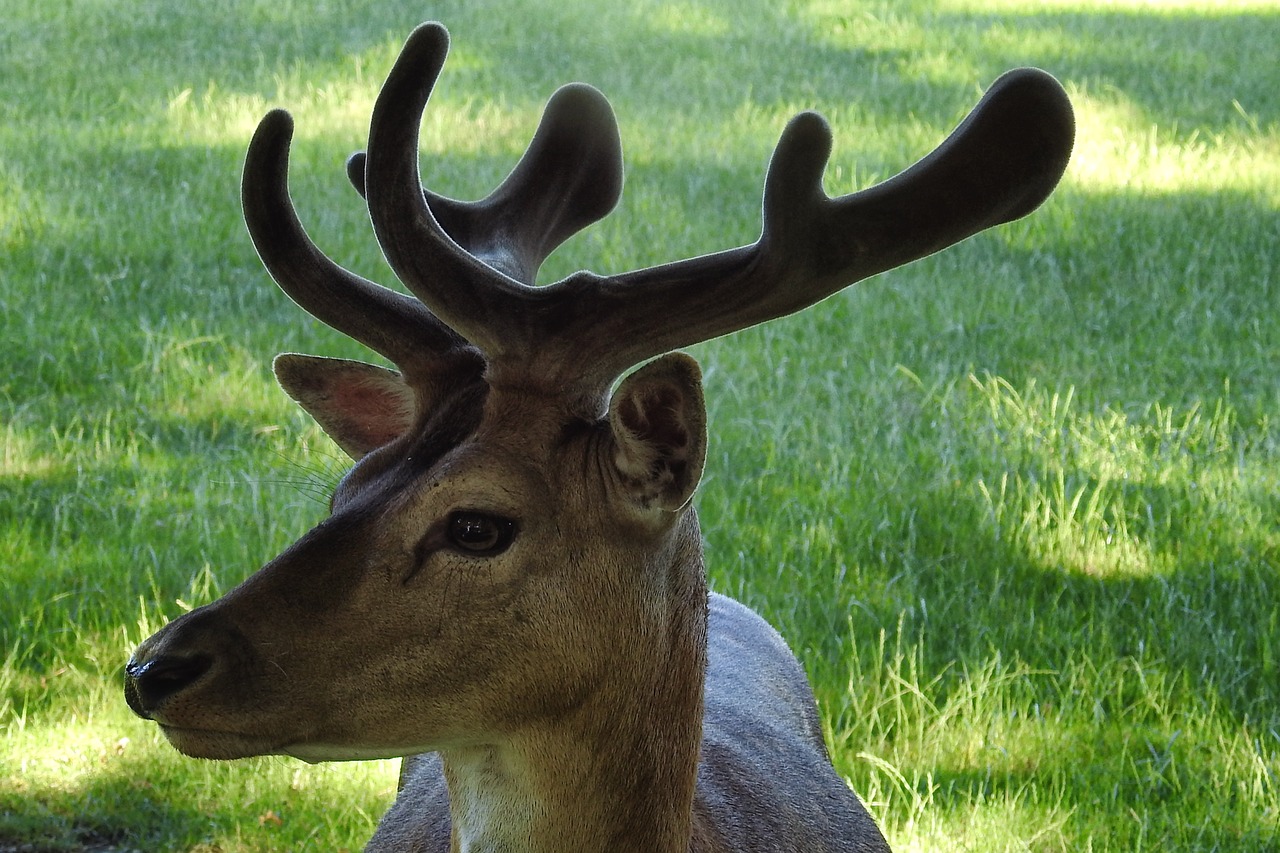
(1017, 506)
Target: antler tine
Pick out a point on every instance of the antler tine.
(390, 323)
(479, 301)
(998, 165)
(569, 177)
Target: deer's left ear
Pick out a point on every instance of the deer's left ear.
(659, 424)
(361, 406)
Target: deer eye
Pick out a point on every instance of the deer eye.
(481, 534)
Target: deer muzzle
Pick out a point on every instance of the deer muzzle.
(149, 683)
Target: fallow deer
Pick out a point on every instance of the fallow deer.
(509, 588)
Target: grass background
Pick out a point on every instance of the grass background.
(1015, 506)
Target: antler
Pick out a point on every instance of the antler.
(999, 165)
(397, 326)
(584, 331)
(569, 177)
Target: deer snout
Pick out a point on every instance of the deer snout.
(148, 683)
(185, 656)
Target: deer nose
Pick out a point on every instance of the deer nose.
(148, 683)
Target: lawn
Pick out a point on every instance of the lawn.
(1016, 506)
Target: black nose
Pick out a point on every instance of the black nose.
(148, 683)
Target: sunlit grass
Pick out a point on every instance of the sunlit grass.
(1164, 8)
(1124, 148)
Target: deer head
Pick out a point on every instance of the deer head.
(515, 546)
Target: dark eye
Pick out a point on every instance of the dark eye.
(481, 534)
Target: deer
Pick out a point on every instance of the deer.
(508, 591)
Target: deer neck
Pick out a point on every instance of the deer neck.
(615, 773)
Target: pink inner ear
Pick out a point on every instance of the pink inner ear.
(374, 412)
(361, 406)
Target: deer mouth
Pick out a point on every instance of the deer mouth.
(193, 740)
(225, 746)
(217, 744)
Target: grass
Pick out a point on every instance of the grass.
(1015, 505)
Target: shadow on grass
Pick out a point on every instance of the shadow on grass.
(112, 811)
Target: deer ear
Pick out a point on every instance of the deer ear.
(659, 425)
(361, 406)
